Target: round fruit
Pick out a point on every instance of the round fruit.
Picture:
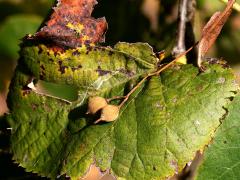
(95, 104)
(109, 113)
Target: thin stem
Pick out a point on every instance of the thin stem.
(175, 60)
(182, 15)
(115, 98)
(132, 91)
(97, 121)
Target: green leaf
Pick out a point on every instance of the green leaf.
(13, 29)
(60, 91)
(222, 157)
(158, 131)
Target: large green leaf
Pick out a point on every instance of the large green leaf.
(158, 131)
(222, 157)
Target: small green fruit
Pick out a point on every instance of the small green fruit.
(95, 104)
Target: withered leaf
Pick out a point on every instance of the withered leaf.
(3, 105)
(212, 29)
(71, 24)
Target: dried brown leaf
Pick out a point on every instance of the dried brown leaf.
(150, 9)
(71, 24)
(3, 104)
(212, 29)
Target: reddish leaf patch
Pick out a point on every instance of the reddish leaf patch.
(71, 24)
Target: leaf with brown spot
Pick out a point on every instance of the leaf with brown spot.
(212, 29)
(71, 24)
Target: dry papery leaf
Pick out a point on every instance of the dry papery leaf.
(71, 24)
(212, 29)
(150, 9)
(3, 105)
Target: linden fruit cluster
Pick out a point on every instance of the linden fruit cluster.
(109, 112)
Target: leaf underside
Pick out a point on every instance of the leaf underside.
(158, 131)
(221, 160)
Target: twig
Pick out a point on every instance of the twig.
(182, 19)
(115, 98)
(133, 90)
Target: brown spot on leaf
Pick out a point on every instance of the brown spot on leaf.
(40, 50)
(47, 108)
(71, 24)
(42, 72)
(200, 87)
(56, 49)
(174, 164)
(76, 53)
(159, 106)
(34, 106)
(102, 72)
(51, 60)
(110, 53)
(61, 67)
(174, 100)
(218, 61)
(221, 80)
(26, 90)
(127, 72)
(42, 67)
(76, 68)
